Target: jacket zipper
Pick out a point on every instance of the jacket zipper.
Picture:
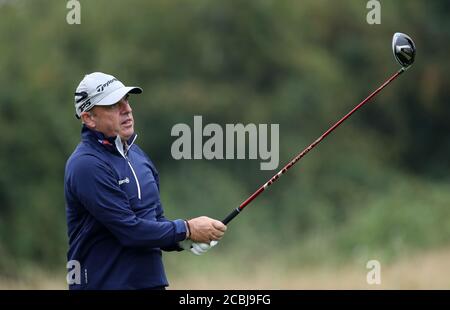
(135, 177)
(119, 148)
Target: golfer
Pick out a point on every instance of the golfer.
(116, 223)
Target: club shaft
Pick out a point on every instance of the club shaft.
(272, 180)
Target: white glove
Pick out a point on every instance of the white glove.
(202, 248)
(185, 244)
(197, 248)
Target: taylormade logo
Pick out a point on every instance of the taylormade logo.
(213, 147)
(101, 87)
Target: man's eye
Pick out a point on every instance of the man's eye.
(113, 106)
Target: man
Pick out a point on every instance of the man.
(115, 219)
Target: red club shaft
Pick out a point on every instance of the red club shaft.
(309, 148)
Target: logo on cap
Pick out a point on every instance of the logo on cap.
(101, 87)
(85, 105)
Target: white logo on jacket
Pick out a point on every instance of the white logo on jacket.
(126, 180)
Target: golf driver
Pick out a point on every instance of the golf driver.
(404, 51)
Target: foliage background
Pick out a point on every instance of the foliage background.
(377, 188)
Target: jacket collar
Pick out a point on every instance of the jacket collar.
(112, 144)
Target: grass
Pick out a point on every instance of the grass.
(422, 270)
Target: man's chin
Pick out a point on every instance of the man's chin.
(126, 133)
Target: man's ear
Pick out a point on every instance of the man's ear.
(88, 119)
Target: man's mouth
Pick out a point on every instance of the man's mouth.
(127, 122)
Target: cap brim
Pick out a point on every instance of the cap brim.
(118, 94)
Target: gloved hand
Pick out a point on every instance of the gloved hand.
(202, 248)
(197, 248)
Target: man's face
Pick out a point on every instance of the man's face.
(113, 120)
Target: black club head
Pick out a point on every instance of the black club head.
(404, 49)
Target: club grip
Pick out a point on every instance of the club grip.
(231, 216)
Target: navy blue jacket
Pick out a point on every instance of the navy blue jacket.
(115, 220)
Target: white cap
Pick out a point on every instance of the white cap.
(100, 89)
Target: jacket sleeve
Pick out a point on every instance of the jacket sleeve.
(161, 218)
(160, 211)
(96, 186)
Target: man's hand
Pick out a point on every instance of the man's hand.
(204, 229)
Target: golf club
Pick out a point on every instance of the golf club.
(404, 51)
